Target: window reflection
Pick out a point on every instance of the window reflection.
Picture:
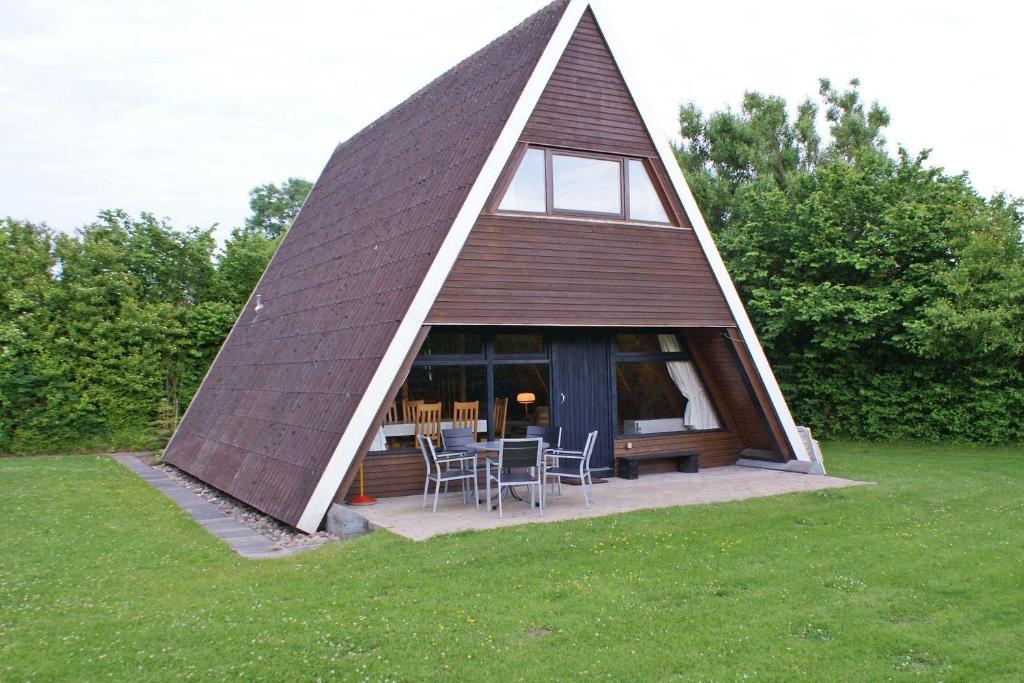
(519, 344)
(527, 191)
(447, 342)
(586, 184)
(524, 388)
(429, 385)
(644, 202)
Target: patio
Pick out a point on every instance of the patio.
(405, 516)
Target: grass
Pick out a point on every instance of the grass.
(920, 577)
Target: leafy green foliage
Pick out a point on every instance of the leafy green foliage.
(888, 295)
(274, 208)
(241, 264)
(106, 334)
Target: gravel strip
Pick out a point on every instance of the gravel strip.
(283, 535)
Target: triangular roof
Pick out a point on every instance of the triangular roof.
(294, 391)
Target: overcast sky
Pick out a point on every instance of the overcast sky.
(179, 108)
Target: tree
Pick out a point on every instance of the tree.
(730, 150)
(241, 263)
(106, 333)
(888, 294)
(274, 209)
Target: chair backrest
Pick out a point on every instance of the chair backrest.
(500, 417)
(426, 445)
(428, 421)
(409, 409)
(392, 415)
(456, 439)
(588, 449)
(552, 435)
(466, 415)
(520, 453)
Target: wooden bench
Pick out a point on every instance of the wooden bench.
(628, 466)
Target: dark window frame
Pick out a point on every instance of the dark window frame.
(683, 354)
(488, 359)
(622, 160)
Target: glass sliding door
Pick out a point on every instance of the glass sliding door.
(523, 387)
(502, 375)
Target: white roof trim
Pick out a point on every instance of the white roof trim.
(707, 242)
(400, 345)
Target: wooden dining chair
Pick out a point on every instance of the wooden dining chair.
(466, 415)
(392, 415)
(500, 417)
(428, 422)
(409, 409)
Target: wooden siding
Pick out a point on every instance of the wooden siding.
(586, 104)
(716, 449)
(760, 396)
(548, 270)
(538, 271)
(721, 371)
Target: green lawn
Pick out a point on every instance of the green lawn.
(920, 577)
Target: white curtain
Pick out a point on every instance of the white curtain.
(699, 413)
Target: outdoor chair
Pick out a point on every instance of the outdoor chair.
(578, 467)
(428, 421)
(457, 441)
(517, 454)
(500, 417)
(550, 435)
(466, 414)
(440, 470)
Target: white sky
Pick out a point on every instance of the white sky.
(179, 108)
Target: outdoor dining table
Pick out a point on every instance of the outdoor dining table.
(492, 446)
(495, 446)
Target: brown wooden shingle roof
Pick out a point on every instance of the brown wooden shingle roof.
(283, 388)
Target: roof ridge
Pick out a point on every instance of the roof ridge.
(522, 27)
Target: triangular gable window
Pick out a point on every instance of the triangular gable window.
(576, 183)
(526, 192)
(644, 202)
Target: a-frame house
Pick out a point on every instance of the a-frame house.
(515, 237)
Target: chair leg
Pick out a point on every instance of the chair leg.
(465, 489)
(501, 512)
(426, 489)
(437, 492)
(487, 485)
(476, 489)
(590, 480)
(583, 485)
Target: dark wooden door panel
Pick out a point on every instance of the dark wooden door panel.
(581, 390)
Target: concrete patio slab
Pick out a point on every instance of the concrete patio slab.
(405, 516)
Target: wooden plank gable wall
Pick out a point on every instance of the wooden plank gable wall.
(540, 270)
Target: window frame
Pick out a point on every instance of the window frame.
(549, 197)
(488, 359)
(683, 354)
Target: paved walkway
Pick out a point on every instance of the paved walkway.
(406, 517)
(243, 539)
